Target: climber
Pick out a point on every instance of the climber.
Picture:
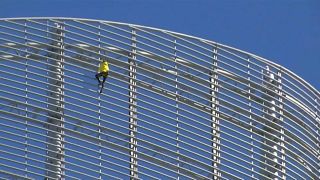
(102, 71)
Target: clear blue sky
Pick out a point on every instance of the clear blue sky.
(284, 31)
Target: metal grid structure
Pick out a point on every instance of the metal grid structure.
(174, 106)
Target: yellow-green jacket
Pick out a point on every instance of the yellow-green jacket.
(104, 67)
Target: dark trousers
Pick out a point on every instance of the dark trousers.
(104, 75)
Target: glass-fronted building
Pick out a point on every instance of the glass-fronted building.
(174, 106)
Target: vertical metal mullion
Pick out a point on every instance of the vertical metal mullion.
(99, 111)
(275, 146)
(215, 116)
(48, 87)
(133, 109)
(282, 144)
(318, 128)
(62, 46)
(48, 62)
(265, 138)
(250, 116)
(270, 154)
(56, 104)
(26, 97)
(177, 107)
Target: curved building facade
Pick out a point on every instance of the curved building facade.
(174, 106)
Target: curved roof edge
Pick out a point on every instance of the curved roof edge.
(178, 34)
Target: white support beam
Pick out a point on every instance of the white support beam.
(26, 101)
(55, 136)
(215, 117)
(274, 144)
(250, 118)
(133, 109)
(316, 110)
(282, 134)
(99, 111)
(177, 106)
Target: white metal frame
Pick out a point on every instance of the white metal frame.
(193, 108)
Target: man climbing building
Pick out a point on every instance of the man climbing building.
(102, 71)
